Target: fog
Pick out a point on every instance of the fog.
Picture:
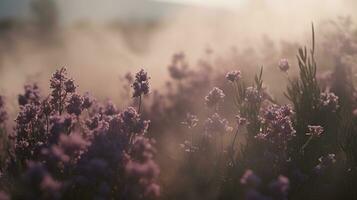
(101, 47)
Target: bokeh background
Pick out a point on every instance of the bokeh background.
(102, 40)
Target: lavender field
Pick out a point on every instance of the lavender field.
(178, 100)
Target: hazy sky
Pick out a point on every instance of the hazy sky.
(104, 10)
(95, 10)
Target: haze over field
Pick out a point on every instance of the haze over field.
(110, 38)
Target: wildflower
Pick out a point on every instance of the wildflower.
(46, 107)
(252, 95)
(109, 108)
(147, 169)
(233, 76)
(60, 124)
(74, 105)
(284, 65)
(278, 128)
(324, 163)
(27, 114)
(87, 101)
(250, 179)
(141, 84)
(58, 92)
(315, 131)
(72, 143)
(216, 124)
(188, 146)
(214, 97)
(280, 187)
(69, 86)
(143, 149)
(37, 178)
(190, 121)
(329, 100)
(152, 191)
(31, 95)
(178, 68)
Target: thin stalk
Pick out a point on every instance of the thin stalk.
(306, 143)
(139, 110)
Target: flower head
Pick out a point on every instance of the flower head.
(31, 95)
(250, 179)
(329, 100)
(233, 75)
(325, 162)
(280, 187)
(215, 124)
(284, 65)
(75, 104)
(315, 131)
(277, 126)
(141, 84)
(214, 97)
(69, 86)
(190, 121)
(252, 95)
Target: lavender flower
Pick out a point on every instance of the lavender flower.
(250, 179)
(329, 100)
(178, 68)
(189, 147)
(284, 65)
(324, 163)
(214, 97)
(39, 184)
(152, 190)
(141, 84)
(58, 92)
(277, 126)
(215, 124)
(69, 86)
(73, 143)
(31, 95)
(110, 108)
(93, 152)
(74, 105)
(280, 187)
(190, 121)
(252, 95)
(87, 101)
(315, 131)
(27, 114)
(233, 76)
(137, 169)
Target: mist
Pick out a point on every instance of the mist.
(98, 50)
